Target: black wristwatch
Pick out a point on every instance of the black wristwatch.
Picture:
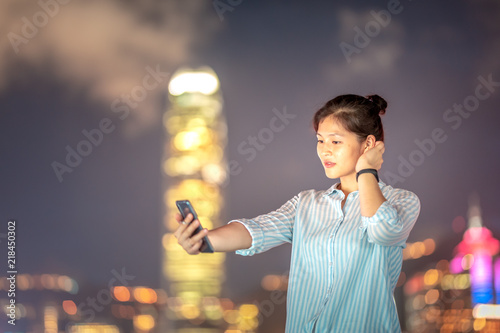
(372, 171)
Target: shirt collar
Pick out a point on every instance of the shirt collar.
(335, 190)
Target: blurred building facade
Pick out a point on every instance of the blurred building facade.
(194, 168)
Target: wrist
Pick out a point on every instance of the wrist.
(363, 166)
(367, 171)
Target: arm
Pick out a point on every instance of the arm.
(387, 220)
(230, 237)
(370, 195)
(270, 230)
(395, 218)
(246, 236)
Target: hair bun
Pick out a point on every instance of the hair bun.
(381, 104)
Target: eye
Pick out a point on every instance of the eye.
(336, 142)
(320, 141)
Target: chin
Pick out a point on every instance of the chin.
(331, 175)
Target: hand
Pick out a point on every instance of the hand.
(183, 234)
(372, 157)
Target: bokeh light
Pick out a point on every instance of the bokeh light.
(144, 322)
(249, 310)
(432, 296)
(145, 295)
(431, 277)
(231, 316)
(121, 293)
(187, 81)
(69, 307)
(271, 282)
(467, 261)
(190, 311)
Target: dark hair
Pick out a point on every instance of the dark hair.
(358, 114)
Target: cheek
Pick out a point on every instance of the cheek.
(361, 150)
(354, 153)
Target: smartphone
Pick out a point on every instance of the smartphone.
(185, 208)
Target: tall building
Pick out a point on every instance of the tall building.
(194, 168)
(460, 295)
(478, 248)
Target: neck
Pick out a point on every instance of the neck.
(348, 184)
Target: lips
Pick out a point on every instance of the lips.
(328, 164)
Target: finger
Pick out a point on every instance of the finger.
(199, 236)
(183, 232)
(177, 233)
(188, 230)
(182, 225)
(195, 248)
(192, 225)
(189, 244)
(187, 220)
(178, 218)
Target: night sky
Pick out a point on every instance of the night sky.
(431, 61)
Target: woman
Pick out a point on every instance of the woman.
(347, 241)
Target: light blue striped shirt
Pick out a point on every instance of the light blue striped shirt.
(344, 266)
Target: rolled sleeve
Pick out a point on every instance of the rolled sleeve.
(270, 230)
(256, 234)
(394, 219)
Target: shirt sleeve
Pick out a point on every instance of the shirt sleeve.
(270, 230)
(394, 219)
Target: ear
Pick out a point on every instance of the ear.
(370, 141)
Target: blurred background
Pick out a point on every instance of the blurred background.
(111, 111)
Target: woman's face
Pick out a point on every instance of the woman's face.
(338, 149)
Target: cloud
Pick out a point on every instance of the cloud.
(369, 46)
(102, 46)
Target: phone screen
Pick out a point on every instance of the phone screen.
(185, 208)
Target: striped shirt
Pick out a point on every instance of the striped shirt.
(344, 266)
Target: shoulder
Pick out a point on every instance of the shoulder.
(312, 195)
(397, 194)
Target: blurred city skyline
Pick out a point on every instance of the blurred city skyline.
(63, 76)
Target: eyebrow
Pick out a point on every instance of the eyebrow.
(331, 134)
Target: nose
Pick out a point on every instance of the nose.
(325, 151)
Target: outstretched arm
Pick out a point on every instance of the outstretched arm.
(228, 238)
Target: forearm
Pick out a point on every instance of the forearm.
(370, 195)
(230, 237)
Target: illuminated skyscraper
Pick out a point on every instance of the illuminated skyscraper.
(194, 168)
(478, 248)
